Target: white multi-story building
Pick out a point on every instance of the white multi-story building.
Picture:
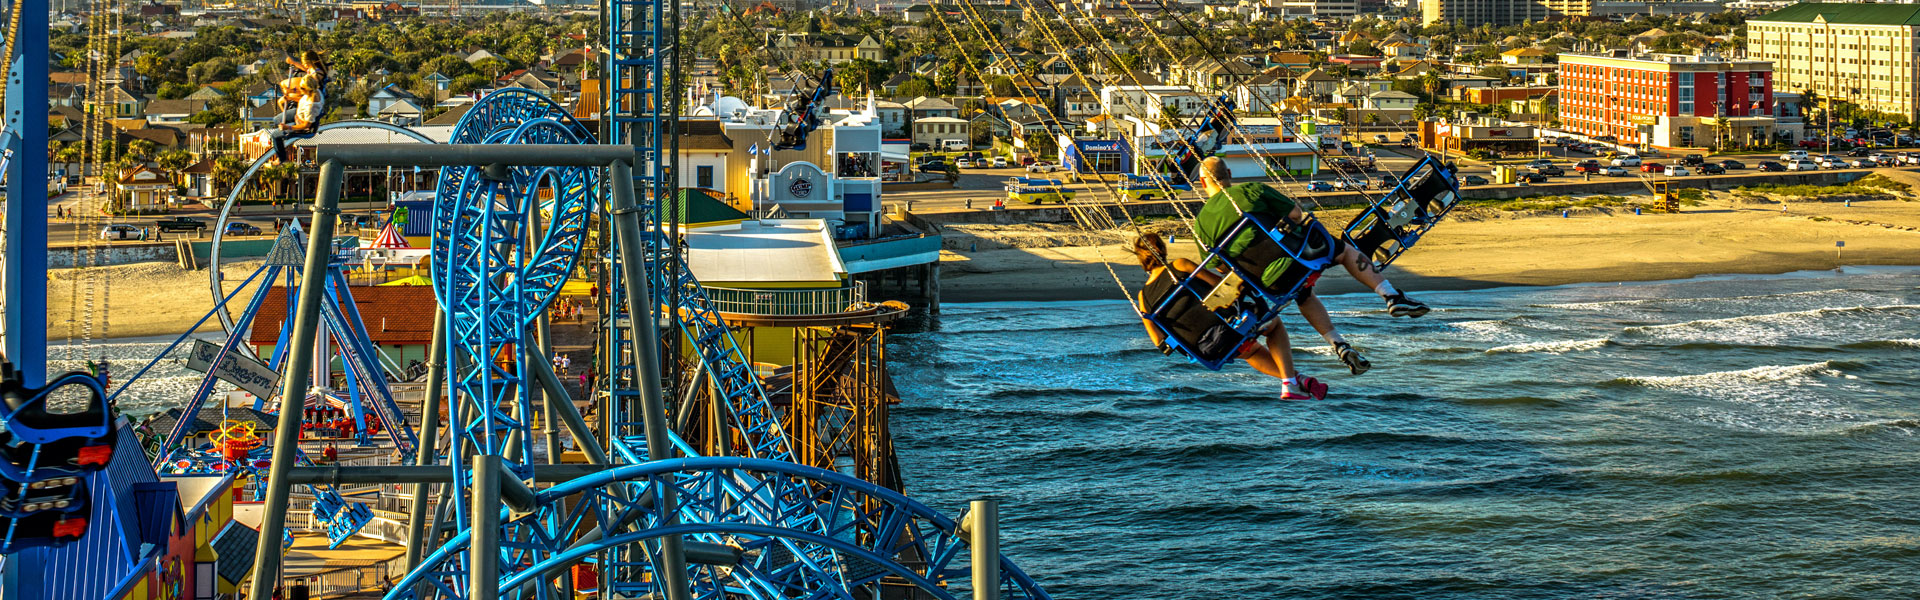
(1864, 54)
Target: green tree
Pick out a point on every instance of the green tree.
(916, 87)
(141, 150)
(174, 160)
(1041, 144)
(227, 169)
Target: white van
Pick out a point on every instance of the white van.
(1793, 155)
(953, 145)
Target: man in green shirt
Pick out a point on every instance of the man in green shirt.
(1226, 202)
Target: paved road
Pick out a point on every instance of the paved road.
(69, 231)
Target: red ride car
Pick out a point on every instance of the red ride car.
(1652, 167)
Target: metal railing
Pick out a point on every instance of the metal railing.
(787, 303)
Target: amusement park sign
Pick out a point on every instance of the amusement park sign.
(235, 368)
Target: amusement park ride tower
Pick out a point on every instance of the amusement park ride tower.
(524, 192)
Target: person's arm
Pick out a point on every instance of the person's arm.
(1211, 278)
(1153, 331)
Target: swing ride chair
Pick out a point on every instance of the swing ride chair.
(49, 457)
(1232, 312)
(803, 116)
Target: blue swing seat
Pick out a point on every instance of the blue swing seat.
(1223, 330)
(1386, 229)
(1390, 226)
(43, 513)
(38, 444)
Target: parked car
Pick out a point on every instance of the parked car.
(1711, 169)
(1532, 177)
(1693, 160)
(1860, 151)
(1862, 163)
(933, 166)
(1587, 166)
(921, 147)
(1652, 167)
(1793, 155)
(999, 162)
(1829, 161)
(1678, 170)
(238, 228)
(1767, 166)
(1539, 163)
(1550, 170)
(1803, 165)
(1473, 180)
(1732, 165)
(1614, 172)
(180, 224)
(963, 163)
(1040, 167)
(1627, 161)
(119, 232)
(1319, 186)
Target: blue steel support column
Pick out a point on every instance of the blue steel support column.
(26, 250)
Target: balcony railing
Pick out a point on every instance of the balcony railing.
(787, 303)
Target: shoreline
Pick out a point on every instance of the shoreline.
(1470, 250)
(1488, 250)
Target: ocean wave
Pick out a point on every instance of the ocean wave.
(1553, 347)
(1764, 374)
(1510, 401)
(1880, 344)
(1769, 317)
(1602, 305)
(1905, 426)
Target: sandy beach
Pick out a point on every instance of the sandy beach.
(1477, 248)
(1484, 248)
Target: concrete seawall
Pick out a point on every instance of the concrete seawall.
(1564, 186)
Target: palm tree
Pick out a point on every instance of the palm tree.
(142, 149)
(1432, 83)
(227, 170)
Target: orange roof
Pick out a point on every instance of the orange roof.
(392, 315)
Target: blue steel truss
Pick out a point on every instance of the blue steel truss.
(758, 506)
(494, 274)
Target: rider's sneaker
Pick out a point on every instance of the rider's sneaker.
(1355, 362)
(1318, 391)
(1400, 305)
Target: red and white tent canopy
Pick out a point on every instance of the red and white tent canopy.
(390, 238)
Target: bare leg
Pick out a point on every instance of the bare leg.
(1315, 312)
(1277, 359)
(1351, 259)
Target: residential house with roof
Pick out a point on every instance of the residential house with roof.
(1316, 84)
(1403, 50)
(403, 112)
(925, 107)
(171, 111)
(832, 49)
(126, 105)
(1258, 95)
(389, 95)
